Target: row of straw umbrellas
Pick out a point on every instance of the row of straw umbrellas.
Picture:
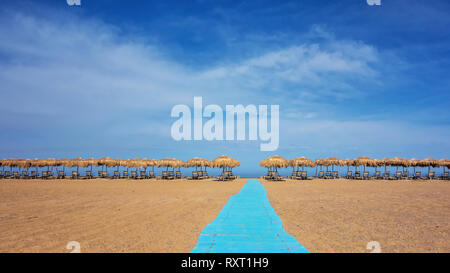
(276, 161)
(223, 161)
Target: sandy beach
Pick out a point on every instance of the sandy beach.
(108, 215)
(168, 216)
(343, 215)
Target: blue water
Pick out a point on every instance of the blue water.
(247, 224)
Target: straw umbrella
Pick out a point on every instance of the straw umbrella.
(413, 162)
(301, 162)
(319, 162)
(332, 161)
(364, 161)
(275, 162)
(168, 163)
(224, 162)
(428, 162)
(62, 162)
(347, 162)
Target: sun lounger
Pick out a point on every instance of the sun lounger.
(417, 175)
(25, 175)
(349, 175)
(405, 175)
(444, 176)
(142, 174)
(151, 174)
(387, 175)
(75, 175)
(321, 174)
(7, 174)
(178, 175)
(357, 175)
(125, 174)
(431, 175)
(170, 175)
(304, 175)
(44, 175)
(33, 174)
(16, 175)
(61, 175)
(335, 174)
(377, 175)
(328, 175)
(116, 175)
(366, 175)
(398, 175)
(89, 175)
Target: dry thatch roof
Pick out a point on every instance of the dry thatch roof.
(274, 161)
(225, 161)
(301, 161)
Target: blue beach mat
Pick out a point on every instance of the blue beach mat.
(247, 224)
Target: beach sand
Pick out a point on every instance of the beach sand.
(108, 215)
(343, 215)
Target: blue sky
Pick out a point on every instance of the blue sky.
(101, 79)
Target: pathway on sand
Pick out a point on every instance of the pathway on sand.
(246, 224)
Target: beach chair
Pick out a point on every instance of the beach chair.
(125, 174)
(75, 175)
(398, 174)
(142, 174)
(387, 175)
(357, 175)
(431, 175)
(170, 175)
(335, 174)
(151, 174)
(16, 175)
(304, 175)
(444, 176)
(116, 175)
(349, 175)
(25, 175)
(164, 175)
(205, 174)
(377, 175)
(33, 175)
(405, 175)
(417, 175)
(328, 175)
(89, 175)
(178, 175)
(200, 175)
(44, 175)
(61, 175)
(321, 174)
(7, 174)
(133, 174)
(366, 175)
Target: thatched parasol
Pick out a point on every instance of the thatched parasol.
(444, 163)
(301, 162)
(224, 162)
(428, 162)
(347, 162)
(364, 161)
(274, 162)
(168, 163)
(332, 161)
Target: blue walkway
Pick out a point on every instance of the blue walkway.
(247, 224)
